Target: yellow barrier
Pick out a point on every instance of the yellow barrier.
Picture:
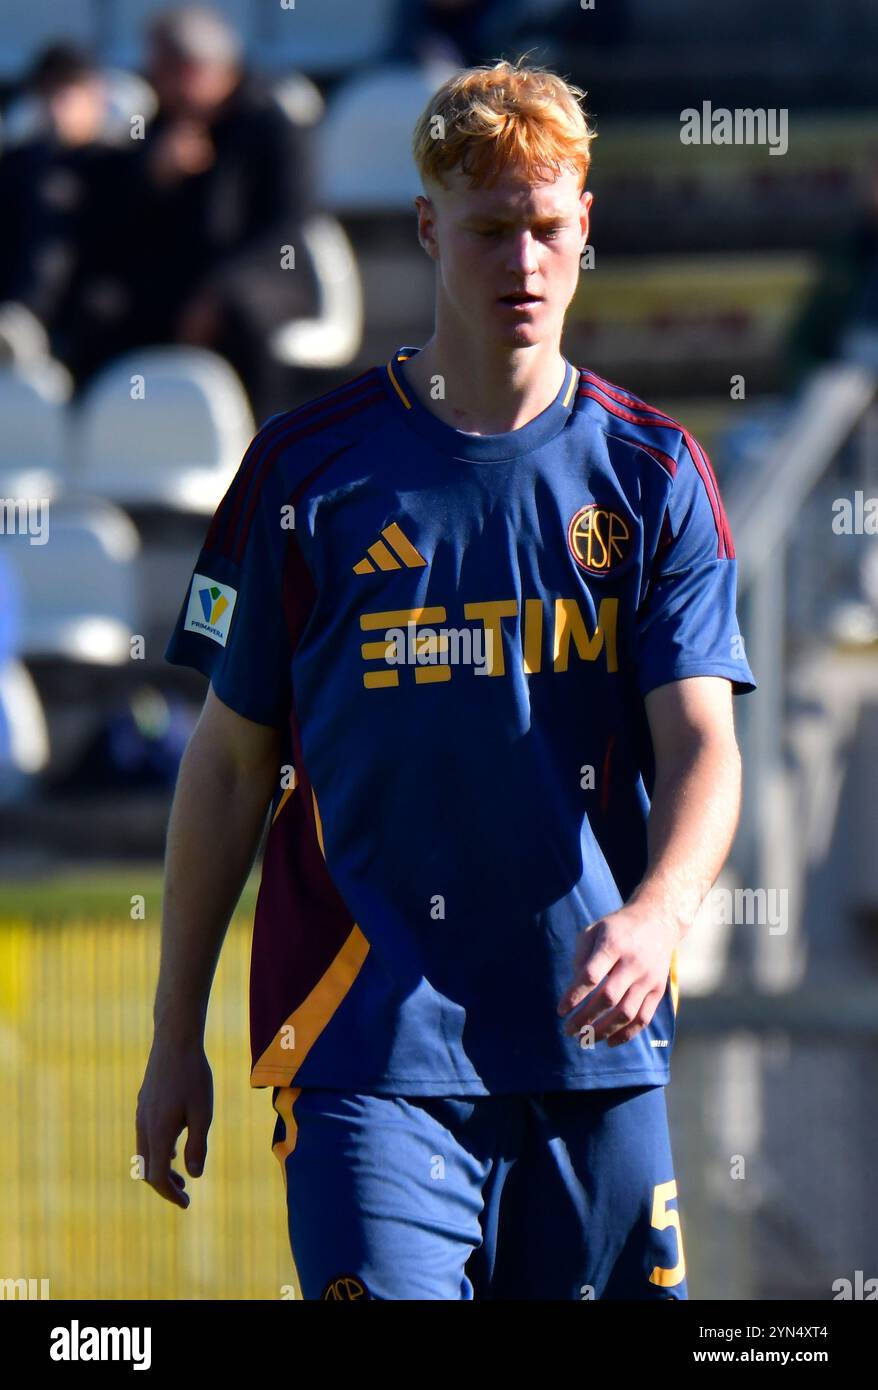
(75, 1028)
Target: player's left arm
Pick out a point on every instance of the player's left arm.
(694, 812)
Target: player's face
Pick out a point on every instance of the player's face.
(508, 257)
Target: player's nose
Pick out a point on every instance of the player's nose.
(523, 254)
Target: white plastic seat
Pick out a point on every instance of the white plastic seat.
(333, 337)
(26, 28)
(23, 338)
(27, 736)
(299, 98)
(324, 36)
(78, 586)
(365, 157)
(177, 447)
(33, 412)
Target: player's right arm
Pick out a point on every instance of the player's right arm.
(224, 787)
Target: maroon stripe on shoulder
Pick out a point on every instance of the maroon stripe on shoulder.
(268, 460)
(705, 468)
(327, 405)
(657, 420)
(667, 462)
(708, 476)
(225, 518)
(220, 521)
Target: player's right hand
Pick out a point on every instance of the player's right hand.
(177, 1094)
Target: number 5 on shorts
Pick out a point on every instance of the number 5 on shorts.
(662, 1217)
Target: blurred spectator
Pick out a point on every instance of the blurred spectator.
(221, 183)
(56, 244)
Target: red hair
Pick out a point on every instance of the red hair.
(500, 115)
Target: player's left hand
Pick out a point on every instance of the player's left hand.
(620, 969)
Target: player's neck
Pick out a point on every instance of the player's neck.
(482, 394)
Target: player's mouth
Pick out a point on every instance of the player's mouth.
(521, 300)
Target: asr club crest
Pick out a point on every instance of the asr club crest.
(599, 538)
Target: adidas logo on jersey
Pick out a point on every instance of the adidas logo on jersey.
(391, 553)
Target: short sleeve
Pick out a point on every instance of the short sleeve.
(232, 623)
(687, 622)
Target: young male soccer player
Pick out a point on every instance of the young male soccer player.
(462, 617)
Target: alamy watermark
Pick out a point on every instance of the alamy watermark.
(25, 516)
(414, 645)
(744, 125)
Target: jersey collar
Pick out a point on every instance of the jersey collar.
(480, 448)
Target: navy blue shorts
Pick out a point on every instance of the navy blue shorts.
(561, 1195)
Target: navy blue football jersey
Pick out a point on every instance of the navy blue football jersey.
(455, 634)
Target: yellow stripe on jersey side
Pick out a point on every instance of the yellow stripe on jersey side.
(284, 799)
(292, 1042)
(318, 823)
(283, 1104)
(675, 988)
(280, 1061)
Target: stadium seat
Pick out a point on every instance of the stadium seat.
(333, 338)
(123, 36)
(78, 591)
(299, 98)
(24, 743)
(24, 737)
(364, 144)
(178, 445)
(23, 339)
(325, 36)
(26, 28)
(33, 409)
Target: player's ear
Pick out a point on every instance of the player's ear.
(426, 222)
(585, 201)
